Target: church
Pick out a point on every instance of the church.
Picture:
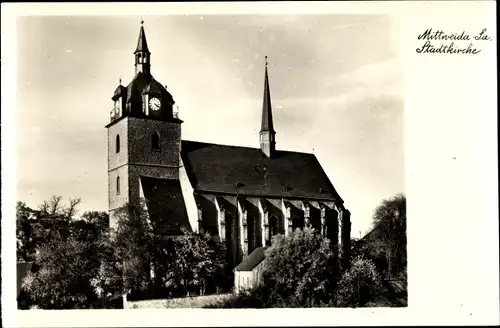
(243, 195)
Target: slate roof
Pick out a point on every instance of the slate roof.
(248, 171)
(22, 271)
(165, 204)
(142, 44)
(146, 83)
(252, 260)
(119, 92)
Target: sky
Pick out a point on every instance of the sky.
(337, 89)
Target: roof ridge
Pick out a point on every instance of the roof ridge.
(247, 147)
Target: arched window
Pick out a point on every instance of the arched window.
(140, 58)
(251, 233)
(155, 141)
(298, 222)
(117, 185)
(273, 226)
(332, 226)
(117, 143)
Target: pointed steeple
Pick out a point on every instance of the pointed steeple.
(142, 44)
(267, 113)
(142, 54)
(267, 133)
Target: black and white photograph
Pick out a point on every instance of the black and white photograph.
(229, 166)
(216, 161)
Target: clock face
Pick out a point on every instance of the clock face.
(154, 104)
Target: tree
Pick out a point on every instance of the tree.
(66, 267)
(97, 218)
(388, 236)
(357, 247)
(133, 244)
(359, 285)
(53, 219)
(298, 270)
(92, 227)
(108, 282)
(25, 242)
(198, 259)
(67, 253)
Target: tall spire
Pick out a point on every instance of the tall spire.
(142, 44)
(267, 113)
(267, 133)
(142, 54)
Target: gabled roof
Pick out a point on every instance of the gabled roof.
(165, 204)
(252, 260)
(217, 168)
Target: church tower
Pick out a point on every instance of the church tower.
(267, 133)
(144, 135)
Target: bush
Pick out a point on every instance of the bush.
(299, 270)
(359, 285)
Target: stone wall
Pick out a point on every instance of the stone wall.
(137, 157)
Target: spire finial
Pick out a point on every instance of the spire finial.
(265, 60)
(120, 81)
(142, 20)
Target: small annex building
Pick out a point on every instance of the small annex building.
(249, 272)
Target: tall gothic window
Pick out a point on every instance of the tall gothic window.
(117, 185)
(298, 222)
(229, 231)
(251, 233)
(332, 225)
(117, 143)
(155, 141)
(273, 226)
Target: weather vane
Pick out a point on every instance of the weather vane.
(266, 60)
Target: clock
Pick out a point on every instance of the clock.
(154, 104)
